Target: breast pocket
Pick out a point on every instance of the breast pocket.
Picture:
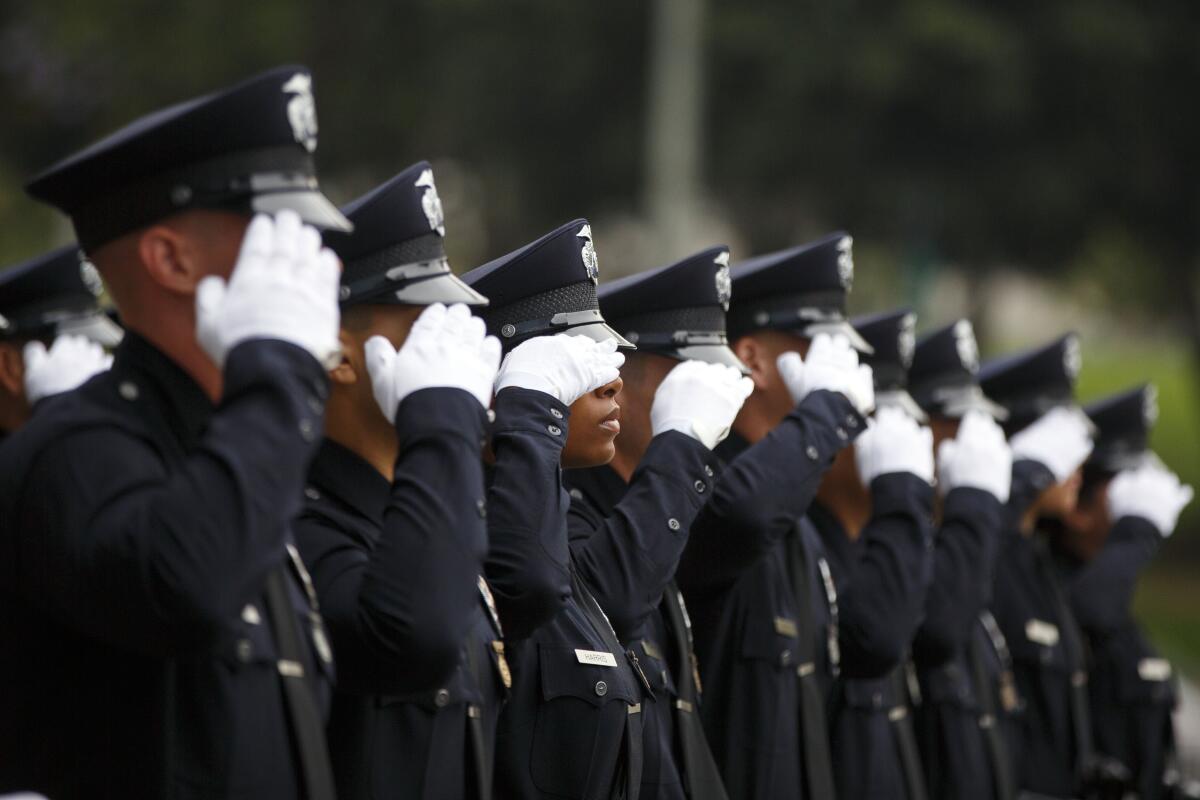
(580, 723)
(769, 663)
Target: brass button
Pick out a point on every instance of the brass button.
(554, 430)
(308, 431)
(128, 390)
(245, 651)
(601, 688)
(708, 470)
(441, 698)
(554, 412)
(673, 524)
(812, 453)
(699, 486)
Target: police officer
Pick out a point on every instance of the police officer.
(1050, 438)
(52, 331)
(959, 666)
(872, 513)
(1128, 504)
(574, 722)
(167, 642)
(391, 530)
(752, 578)
(681, 390)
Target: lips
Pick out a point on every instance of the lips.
(612, 422)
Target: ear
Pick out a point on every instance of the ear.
(346, 372)
(12, 369)
(170, 259)
(754, 355)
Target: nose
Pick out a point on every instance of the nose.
(611, 388)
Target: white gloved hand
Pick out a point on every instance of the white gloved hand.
(894, 442)
(978, 458)
(284, 286)
(445, 348)
(1150, 491)
(70, 361)
(563, 366)
(831, 364)
(700, 400)
(1060, 441)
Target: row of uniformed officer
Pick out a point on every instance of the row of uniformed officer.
(737, 592)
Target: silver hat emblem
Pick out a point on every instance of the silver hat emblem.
(432, 203)
(845, 261)
(724, 284)
(302, 110)
(906, 339)
(1072, 357)
(1150, 405)
(90, 276)
(968, 348)
(590, 262)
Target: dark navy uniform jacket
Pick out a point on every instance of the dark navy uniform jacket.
(1131, 687)
(956, 757)
(734, 574)
(881, 579)
(628, 539)
(396, 567)
(139, 526)
(1026, 605)
(572, 728)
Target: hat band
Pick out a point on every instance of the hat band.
(215, 183)
(564, 320)
(664, 339)
(391, 268)
(787, 311)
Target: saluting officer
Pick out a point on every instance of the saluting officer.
(168, 646)
(52, 331)
(391, 529)
(680, 392)
(1050, 438)
(873, 515)
(753, 579)
(960, 655)
(1128, 504)
(573, 726)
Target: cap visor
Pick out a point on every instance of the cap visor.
(842, 328)
(96, 327)
(313, 207)
(972, 398)
(601, 332)
(709, 353)
(445, 288)
(898, 398)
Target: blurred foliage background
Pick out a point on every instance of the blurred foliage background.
(1035, 165)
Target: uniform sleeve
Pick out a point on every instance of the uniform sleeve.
(882, 603)
(527, 564)
(627, 558)
(762, 492)
(398, 614)
(964, 558)
(1029, 479)
(119, 548)
(1101, 593)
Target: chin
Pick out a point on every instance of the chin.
(582, 458)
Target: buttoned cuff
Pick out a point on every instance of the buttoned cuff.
(684, 461)
(287, 368)
(830, 423)
(530, 411)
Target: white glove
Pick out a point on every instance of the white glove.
(70, 361)
(284, 286)
(978, 458)
(831, 364)
(894, 442)
(1150, 491)
(445, 348)
(1060, 440)
(700, 400)
(563, 366)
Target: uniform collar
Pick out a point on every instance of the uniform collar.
(341, 473)
(187, 408)
(601, 486)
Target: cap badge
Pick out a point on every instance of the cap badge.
(302, 110)
(968, 348)
(590, 262)
(1150, 405)
(432, 203)
(1072, 357)
(90, 276)
(724, 284)
(906, 339)
(845, 262)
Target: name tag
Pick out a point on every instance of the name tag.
(597, 658)
(1042, 633)
(786, 627)
(1154, 669)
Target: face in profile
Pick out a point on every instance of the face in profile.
(759, 351)
(1060, 499)
(1086, 527)
(595, 423)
